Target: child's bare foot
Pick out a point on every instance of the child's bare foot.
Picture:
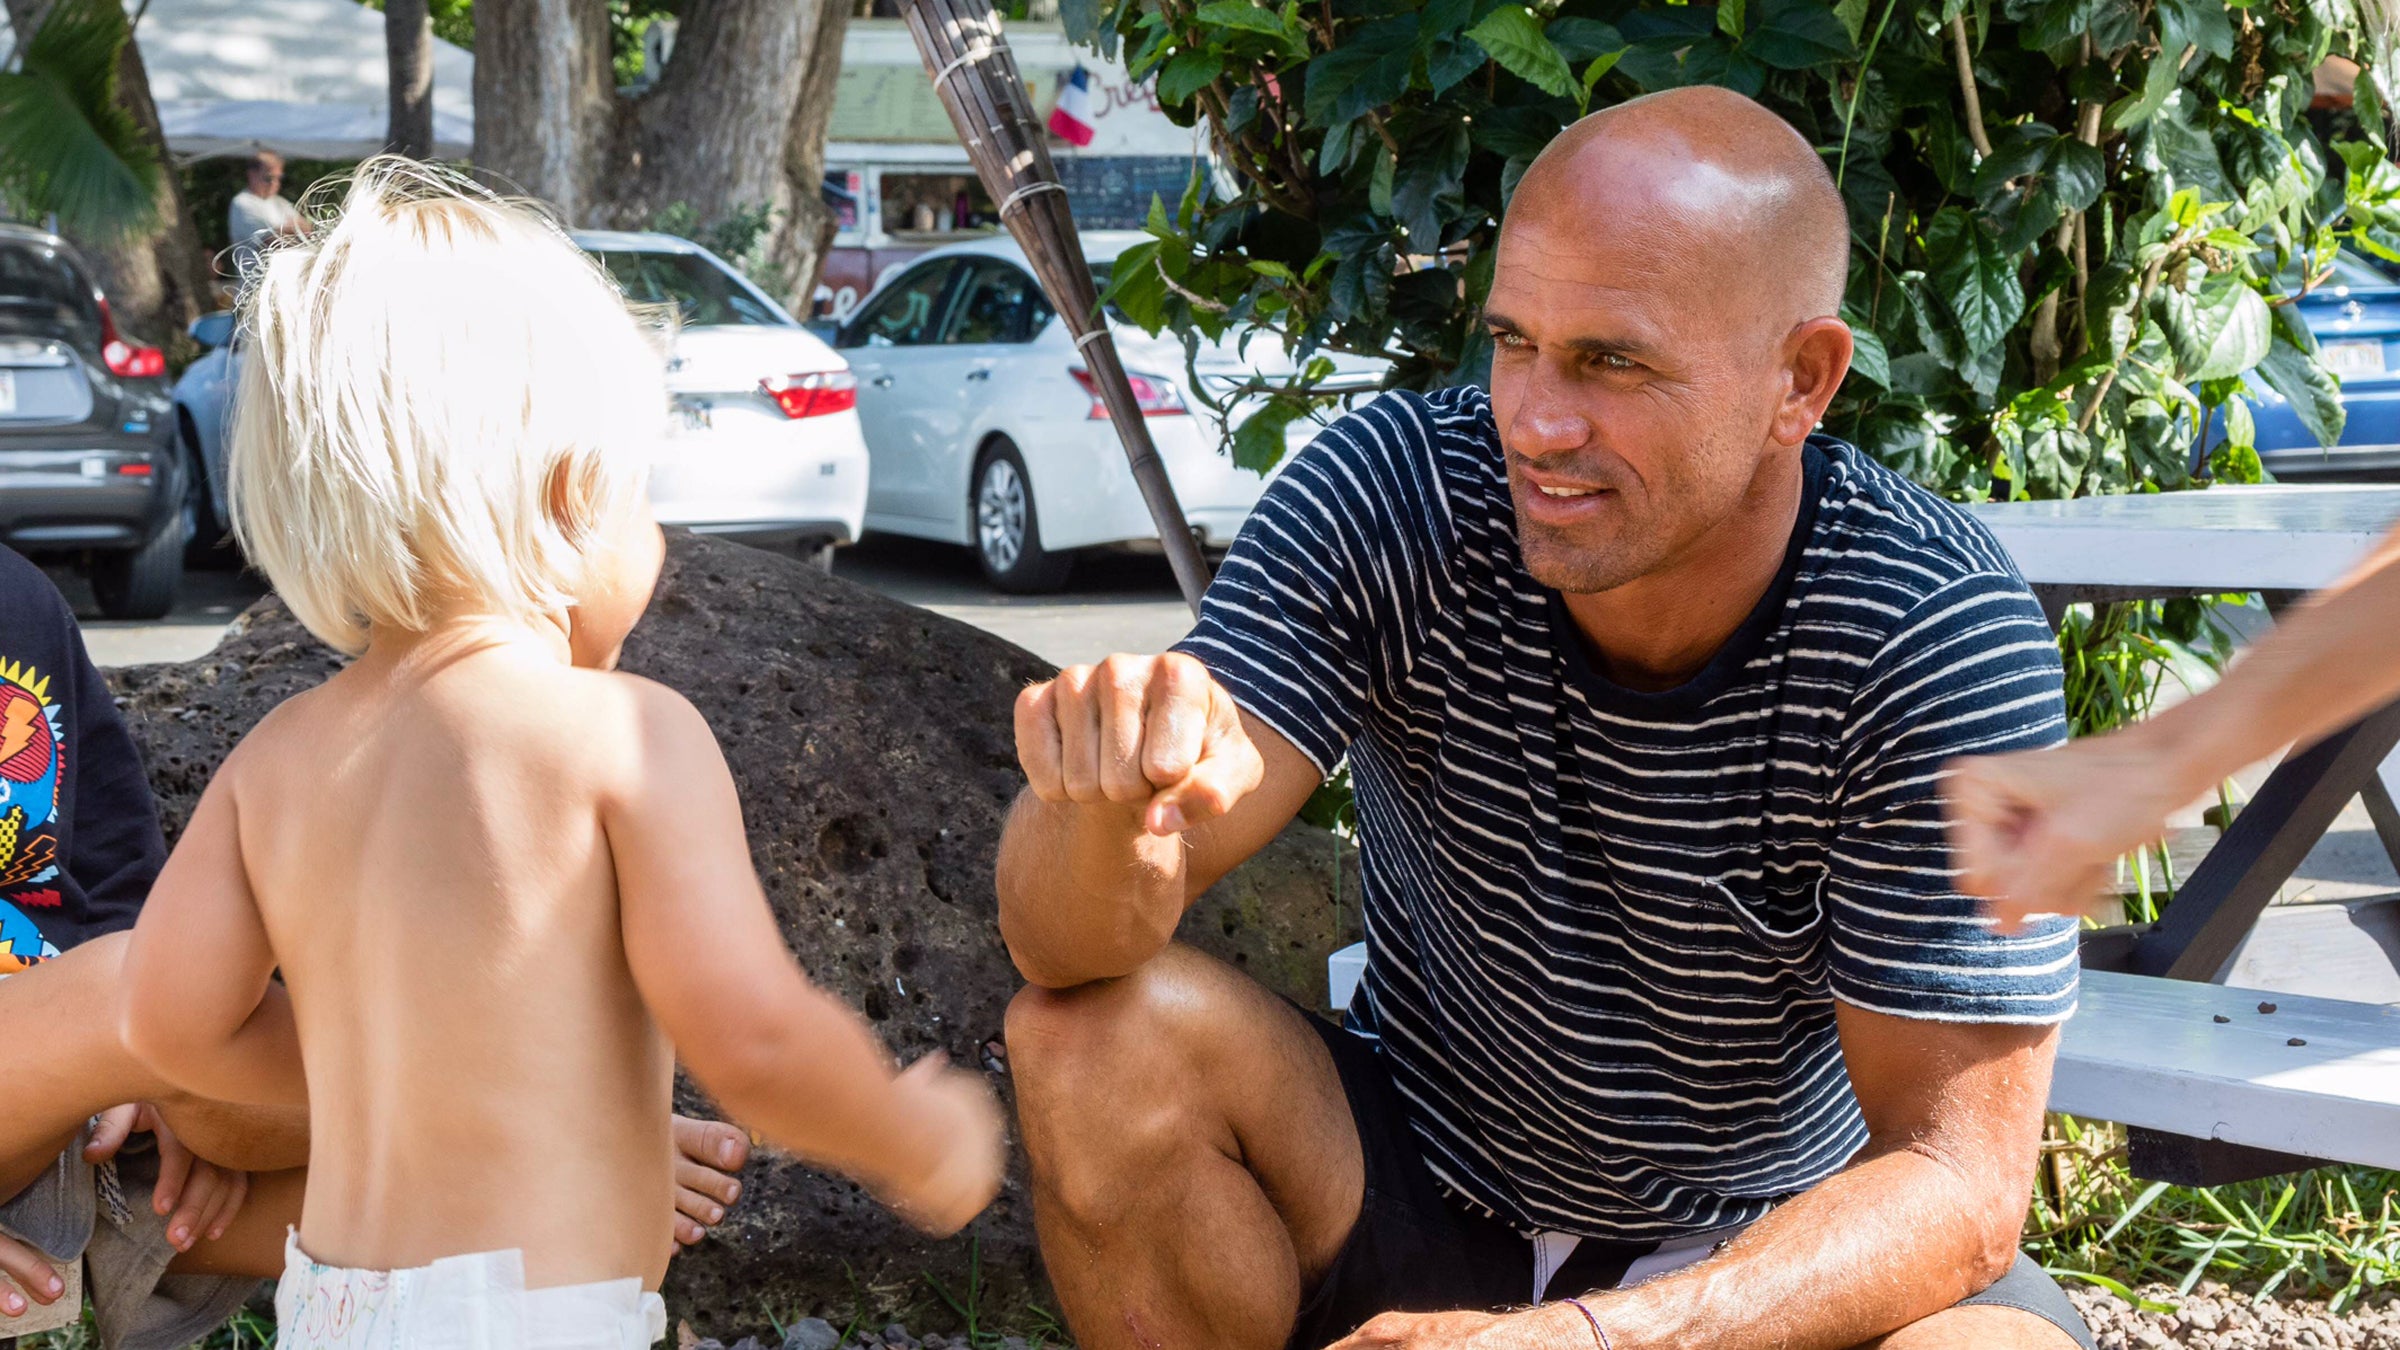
(961, 1113)
(709, 1155)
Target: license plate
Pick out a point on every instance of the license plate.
(8, 391)
(2353, 358)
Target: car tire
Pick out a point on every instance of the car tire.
(141, 583)
(1008, 535)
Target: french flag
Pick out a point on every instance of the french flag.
(1071, 120)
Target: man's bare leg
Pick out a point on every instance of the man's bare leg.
(1195, 1166)
(1976, 1327)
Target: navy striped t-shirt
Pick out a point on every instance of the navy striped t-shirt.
(1606, 928)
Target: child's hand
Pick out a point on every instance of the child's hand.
(959, 1111)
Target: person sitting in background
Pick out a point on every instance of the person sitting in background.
(259, 214)
(2036, 832)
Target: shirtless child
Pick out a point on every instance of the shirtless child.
(505, 886)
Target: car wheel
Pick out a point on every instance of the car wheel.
(208, 546)
(1007, 533)
(141, 583)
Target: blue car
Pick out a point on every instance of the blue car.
(2355, 316)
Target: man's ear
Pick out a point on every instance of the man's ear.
(1816, 357)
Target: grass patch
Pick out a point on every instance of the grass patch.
(2332, 1233)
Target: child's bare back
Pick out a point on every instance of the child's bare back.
(506, 888)
(426, 842)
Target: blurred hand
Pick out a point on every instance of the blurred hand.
(1155, 732)
(963, 1112)
(709, 1155)
(2038, 832)
(197, 1197)
(32, 1272)
(1543, 1328)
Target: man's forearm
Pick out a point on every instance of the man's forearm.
(1893, 1239)
(1085, 893)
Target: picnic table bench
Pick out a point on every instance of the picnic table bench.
(2211, 1088)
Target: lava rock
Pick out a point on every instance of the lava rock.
(874, 749)
(812, 1333)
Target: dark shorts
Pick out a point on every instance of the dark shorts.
(1413, 1251)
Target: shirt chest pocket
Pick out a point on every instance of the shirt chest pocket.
(1785, 913)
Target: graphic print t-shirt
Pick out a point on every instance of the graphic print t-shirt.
(79, 837)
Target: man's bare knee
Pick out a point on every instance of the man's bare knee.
(1977, 1327)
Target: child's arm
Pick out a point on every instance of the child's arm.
(781, 1055)
(198, 1003)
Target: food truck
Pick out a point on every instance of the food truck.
(902, 183)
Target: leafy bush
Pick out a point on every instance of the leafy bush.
(2063, 268)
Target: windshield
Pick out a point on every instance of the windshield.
(1041, 302)
(700, 290)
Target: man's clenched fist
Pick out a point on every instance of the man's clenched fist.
(1150, 731)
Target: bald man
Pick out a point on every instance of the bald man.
(1674, 1030)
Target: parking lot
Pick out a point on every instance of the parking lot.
(1114, 602)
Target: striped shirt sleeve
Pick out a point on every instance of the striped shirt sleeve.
(1325, 594)
(1972, 669)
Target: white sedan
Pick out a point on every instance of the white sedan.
(763, 440)
(986, 431)
(763, 435)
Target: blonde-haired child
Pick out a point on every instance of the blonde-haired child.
(505, 886)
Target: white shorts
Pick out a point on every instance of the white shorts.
(476, 1302)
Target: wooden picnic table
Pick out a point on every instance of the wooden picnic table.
(2159, 1058)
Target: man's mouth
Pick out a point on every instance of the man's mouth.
(1568, 491)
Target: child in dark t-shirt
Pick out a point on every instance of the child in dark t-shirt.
(79, 837)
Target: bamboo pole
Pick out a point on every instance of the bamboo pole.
(969, 61)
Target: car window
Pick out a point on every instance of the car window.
(996, 307)
(906, 314)
(1042, 313)
(43, 289)
(700, 290)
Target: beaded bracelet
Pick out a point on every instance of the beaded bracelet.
(1597, 1334)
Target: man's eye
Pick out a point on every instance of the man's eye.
(1612, 361)
(1511, 341)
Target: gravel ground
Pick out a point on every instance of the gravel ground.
(2213, 1317)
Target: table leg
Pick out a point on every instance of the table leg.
(2382, 810)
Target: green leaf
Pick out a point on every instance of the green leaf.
(1136, 288)
(1259, 442)
(1729, 18)
(2304, 383)
(2077, 173)
(1797, 35)
(1273, 270)
(1188, 74)
(1594, 73)
(1241, 14)
(1580, 40)
(2217, 330)
(1853, 14)
(1379, 188)
(67, 146)
(1970, 272)
(1369, 70)
(1868, 360)
(1515, 39)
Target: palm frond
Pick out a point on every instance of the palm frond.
(66, 145)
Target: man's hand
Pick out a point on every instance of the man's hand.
(1154, 732)
(2036, 833)
(1555, 1326)
(198, 1197)
(960, 1112)
(709, 1155)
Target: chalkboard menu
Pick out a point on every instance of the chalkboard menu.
(1113, 192)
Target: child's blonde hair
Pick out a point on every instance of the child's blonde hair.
(442, 402)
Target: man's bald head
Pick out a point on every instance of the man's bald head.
(1712, 166)
(1663, 319)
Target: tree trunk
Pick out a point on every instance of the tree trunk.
(158, 283)
(408, 43)
(543, 89)
(737, 120)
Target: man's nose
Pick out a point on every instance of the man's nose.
(1548, 419)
